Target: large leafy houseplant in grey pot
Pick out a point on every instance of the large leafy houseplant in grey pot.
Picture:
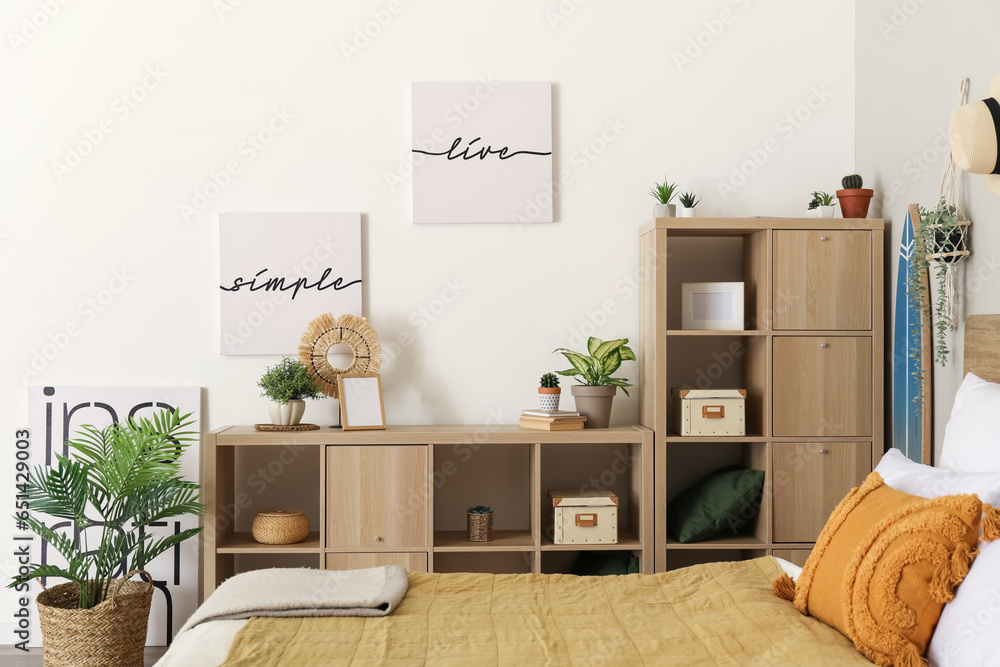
(117, 481)
(595, 394)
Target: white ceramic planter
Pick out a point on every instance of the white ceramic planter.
(286, 414)
(664, 210)
(549, 400)
(826, 211)
(687, 212)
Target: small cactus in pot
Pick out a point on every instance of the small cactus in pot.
(479, 524)
(854, 198)
(549, 392)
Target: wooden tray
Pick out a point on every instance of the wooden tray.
(275, 427)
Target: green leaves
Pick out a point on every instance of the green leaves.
(605, 357)
(288, 380)
(663, 192)
(125, 476)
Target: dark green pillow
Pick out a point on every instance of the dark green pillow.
(725, 500)
(602, 563)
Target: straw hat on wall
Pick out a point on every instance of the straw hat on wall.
(975, 137)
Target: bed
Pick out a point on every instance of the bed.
(711, 614)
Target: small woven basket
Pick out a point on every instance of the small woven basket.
(479, 527)
(280, 527)
(112, 633)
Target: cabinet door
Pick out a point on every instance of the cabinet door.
(809, 480)
(822, 280)
(376, 496)
(822, 386)
(413, 562)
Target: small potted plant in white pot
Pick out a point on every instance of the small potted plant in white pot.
(286, 384)
(479, 524)
(597, 389)
(821, 205)
(663, 193)
(115, 482)
(688, 201)
(549, 392)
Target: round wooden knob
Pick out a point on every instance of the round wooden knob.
(378, 539)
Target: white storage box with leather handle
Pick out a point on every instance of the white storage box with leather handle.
(585, 517)
(710, 412)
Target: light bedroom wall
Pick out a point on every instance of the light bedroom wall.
(910, 58)
(751, 103)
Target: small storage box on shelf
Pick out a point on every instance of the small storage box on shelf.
(710, 412)
(584, 518)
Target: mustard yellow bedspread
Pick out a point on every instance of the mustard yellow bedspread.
(713, 614)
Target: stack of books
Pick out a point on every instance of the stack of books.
(555, 420)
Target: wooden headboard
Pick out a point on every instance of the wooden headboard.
(982, 346)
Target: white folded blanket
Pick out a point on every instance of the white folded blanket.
(300, 592)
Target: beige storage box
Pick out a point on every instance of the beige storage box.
(585, 518)
(710, 412)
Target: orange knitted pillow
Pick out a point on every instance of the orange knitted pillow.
(884, 566)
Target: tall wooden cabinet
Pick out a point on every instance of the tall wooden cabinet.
(810, 356)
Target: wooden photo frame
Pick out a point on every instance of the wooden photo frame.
(712, 306)
(361, 404)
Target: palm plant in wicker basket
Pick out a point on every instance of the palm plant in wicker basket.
(119, 479)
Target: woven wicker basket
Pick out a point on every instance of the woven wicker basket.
(479, 527)
(112, 633)
(280, 527)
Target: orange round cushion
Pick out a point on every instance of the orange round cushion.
(885, 565)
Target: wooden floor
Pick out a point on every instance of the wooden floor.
(12, 657)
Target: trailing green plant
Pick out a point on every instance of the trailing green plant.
(481, 509)
(689, 199)
(549, 381)
(852, 182)
(663, 192)
(288, 380)
(936, 227)
(117, 481)
(595, 369)
(821, 199)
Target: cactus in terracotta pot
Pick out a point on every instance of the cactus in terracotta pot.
(549, 392)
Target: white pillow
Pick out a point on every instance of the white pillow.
(968, 633)
(972, 437)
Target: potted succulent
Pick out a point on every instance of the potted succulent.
(479, 524)
(821, 205)
(117, 481)
(594, 370)
(286, 384)
(663, 193)
(688, 202)
(549, 392)
(854, 199)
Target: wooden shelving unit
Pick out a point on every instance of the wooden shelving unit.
(384, 497)
(810, 357)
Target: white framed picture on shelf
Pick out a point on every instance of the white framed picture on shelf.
(361, 404)
(712, 306)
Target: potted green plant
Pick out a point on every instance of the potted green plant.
(549, 392)
(941, 236)
(821, 205)
(116, 481)
(594, 370)
(854, 199)
(688, 201)
(479, 524)
(286, 384)
(663, 193)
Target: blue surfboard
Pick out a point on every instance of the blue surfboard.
(906, 409)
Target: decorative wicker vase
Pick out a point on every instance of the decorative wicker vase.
(479, 527)
(112, 633)
(280, 526)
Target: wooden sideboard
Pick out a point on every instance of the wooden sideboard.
(384, 497)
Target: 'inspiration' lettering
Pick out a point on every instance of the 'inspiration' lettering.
(278, 284)
(481, 152)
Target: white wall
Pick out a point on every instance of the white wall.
(769, 92)
(911, 56)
